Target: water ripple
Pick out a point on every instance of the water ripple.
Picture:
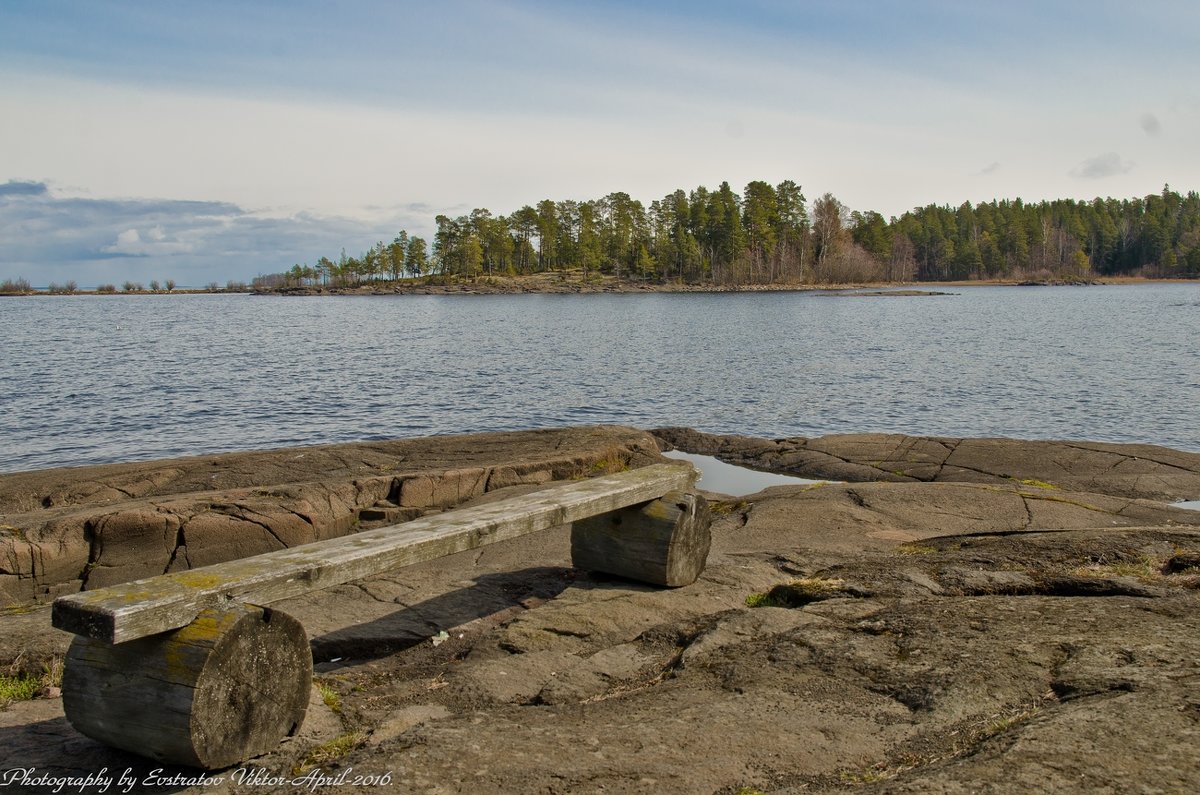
(98, 379)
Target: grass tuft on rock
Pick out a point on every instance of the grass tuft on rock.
(26, 686)
(609, 465)
(18, 688)
(329, 695)
(798, 593)
(1138, 567)
(329, 752)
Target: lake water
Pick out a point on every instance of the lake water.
(92, 379)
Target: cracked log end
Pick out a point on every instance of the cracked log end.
(226, 687)
(662, 542)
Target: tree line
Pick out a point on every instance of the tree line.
(769, 234)
(1156, 236)
(22, 286)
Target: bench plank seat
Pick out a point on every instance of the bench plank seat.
(150, 606)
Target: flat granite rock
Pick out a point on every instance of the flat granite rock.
(63, 530)
(1122, 470)
(937, 636)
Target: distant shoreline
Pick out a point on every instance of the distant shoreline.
(46, 293)
(573, 283)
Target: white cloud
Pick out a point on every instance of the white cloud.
(131, 243)
(342, 160)
(49, 237)
(1105, 165)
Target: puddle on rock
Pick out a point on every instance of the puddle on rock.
(723, 478)
(736, 481)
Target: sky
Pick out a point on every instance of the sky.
(217, 140)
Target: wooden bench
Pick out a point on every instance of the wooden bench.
(193, 668)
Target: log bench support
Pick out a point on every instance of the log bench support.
(662, 542)
(226, 687)
(192, 668)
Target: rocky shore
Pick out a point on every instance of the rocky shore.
(544, 284)
(956, 615)
(575, 282)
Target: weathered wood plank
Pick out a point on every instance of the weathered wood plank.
(145, 607)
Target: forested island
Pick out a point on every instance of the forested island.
(770, 235)
(766, 236)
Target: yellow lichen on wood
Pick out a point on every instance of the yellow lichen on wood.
(195, 579)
